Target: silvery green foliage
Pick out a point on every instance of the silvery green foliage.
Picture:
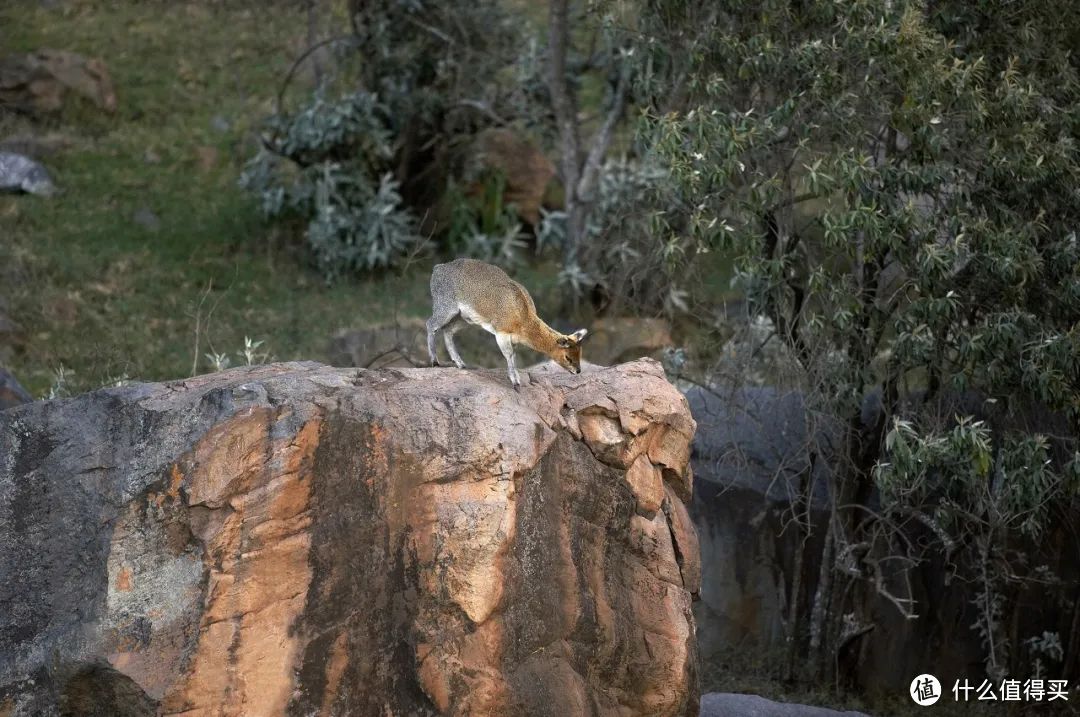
(357, 225)
(574, 279)
(505, 248)
(631, 239)
(324, 129)
(59, 387)
(218, 361)
(325, 171)
(551, 233)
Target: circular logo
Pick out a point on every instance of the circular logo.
(925, 690)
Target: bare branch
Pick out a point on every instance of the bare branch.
(303, 56)
(484, 108)
(603, 138)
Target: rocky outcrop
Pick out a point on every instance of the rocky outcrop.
(300, 540)
(752, 455)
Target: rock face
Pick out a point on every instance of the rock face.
(760, 455)
(300, 540)
(625, 338)
(751, 458)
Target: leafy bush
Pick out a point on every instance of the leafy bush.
(357, 170)
(324, 170)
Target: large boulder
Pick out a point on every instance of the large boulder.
(526, 170)
(297, 539)
(402, 344)
(39, 82)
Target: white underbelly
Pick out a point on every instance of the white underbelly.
(470, 315)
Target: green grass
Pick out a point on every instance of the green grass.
(103, 296)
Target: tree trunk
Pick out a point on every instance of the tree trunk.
(564, 104)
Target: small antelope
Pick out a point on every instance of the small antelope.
(469, 291)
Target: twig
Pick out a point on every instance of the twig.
(198, 321)
(307, 53)
(484, 108)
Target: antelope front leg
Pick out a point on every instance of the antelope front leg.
(451, 348)
(506, 345)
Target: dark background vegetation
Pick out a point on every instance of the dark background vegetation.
(870, 205)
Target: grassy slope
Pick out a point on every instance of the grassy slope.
(103, 296)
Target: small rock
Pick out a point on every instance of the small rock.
(146, 218)
(207, 157)
(22, 174)
(726, 704)
(219, 123)
(151, 157)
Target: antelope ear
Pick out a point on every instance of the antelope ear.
(564, 342)
(580, 335)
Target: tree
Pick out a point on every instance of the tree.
(580, 167)
(898, 187)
